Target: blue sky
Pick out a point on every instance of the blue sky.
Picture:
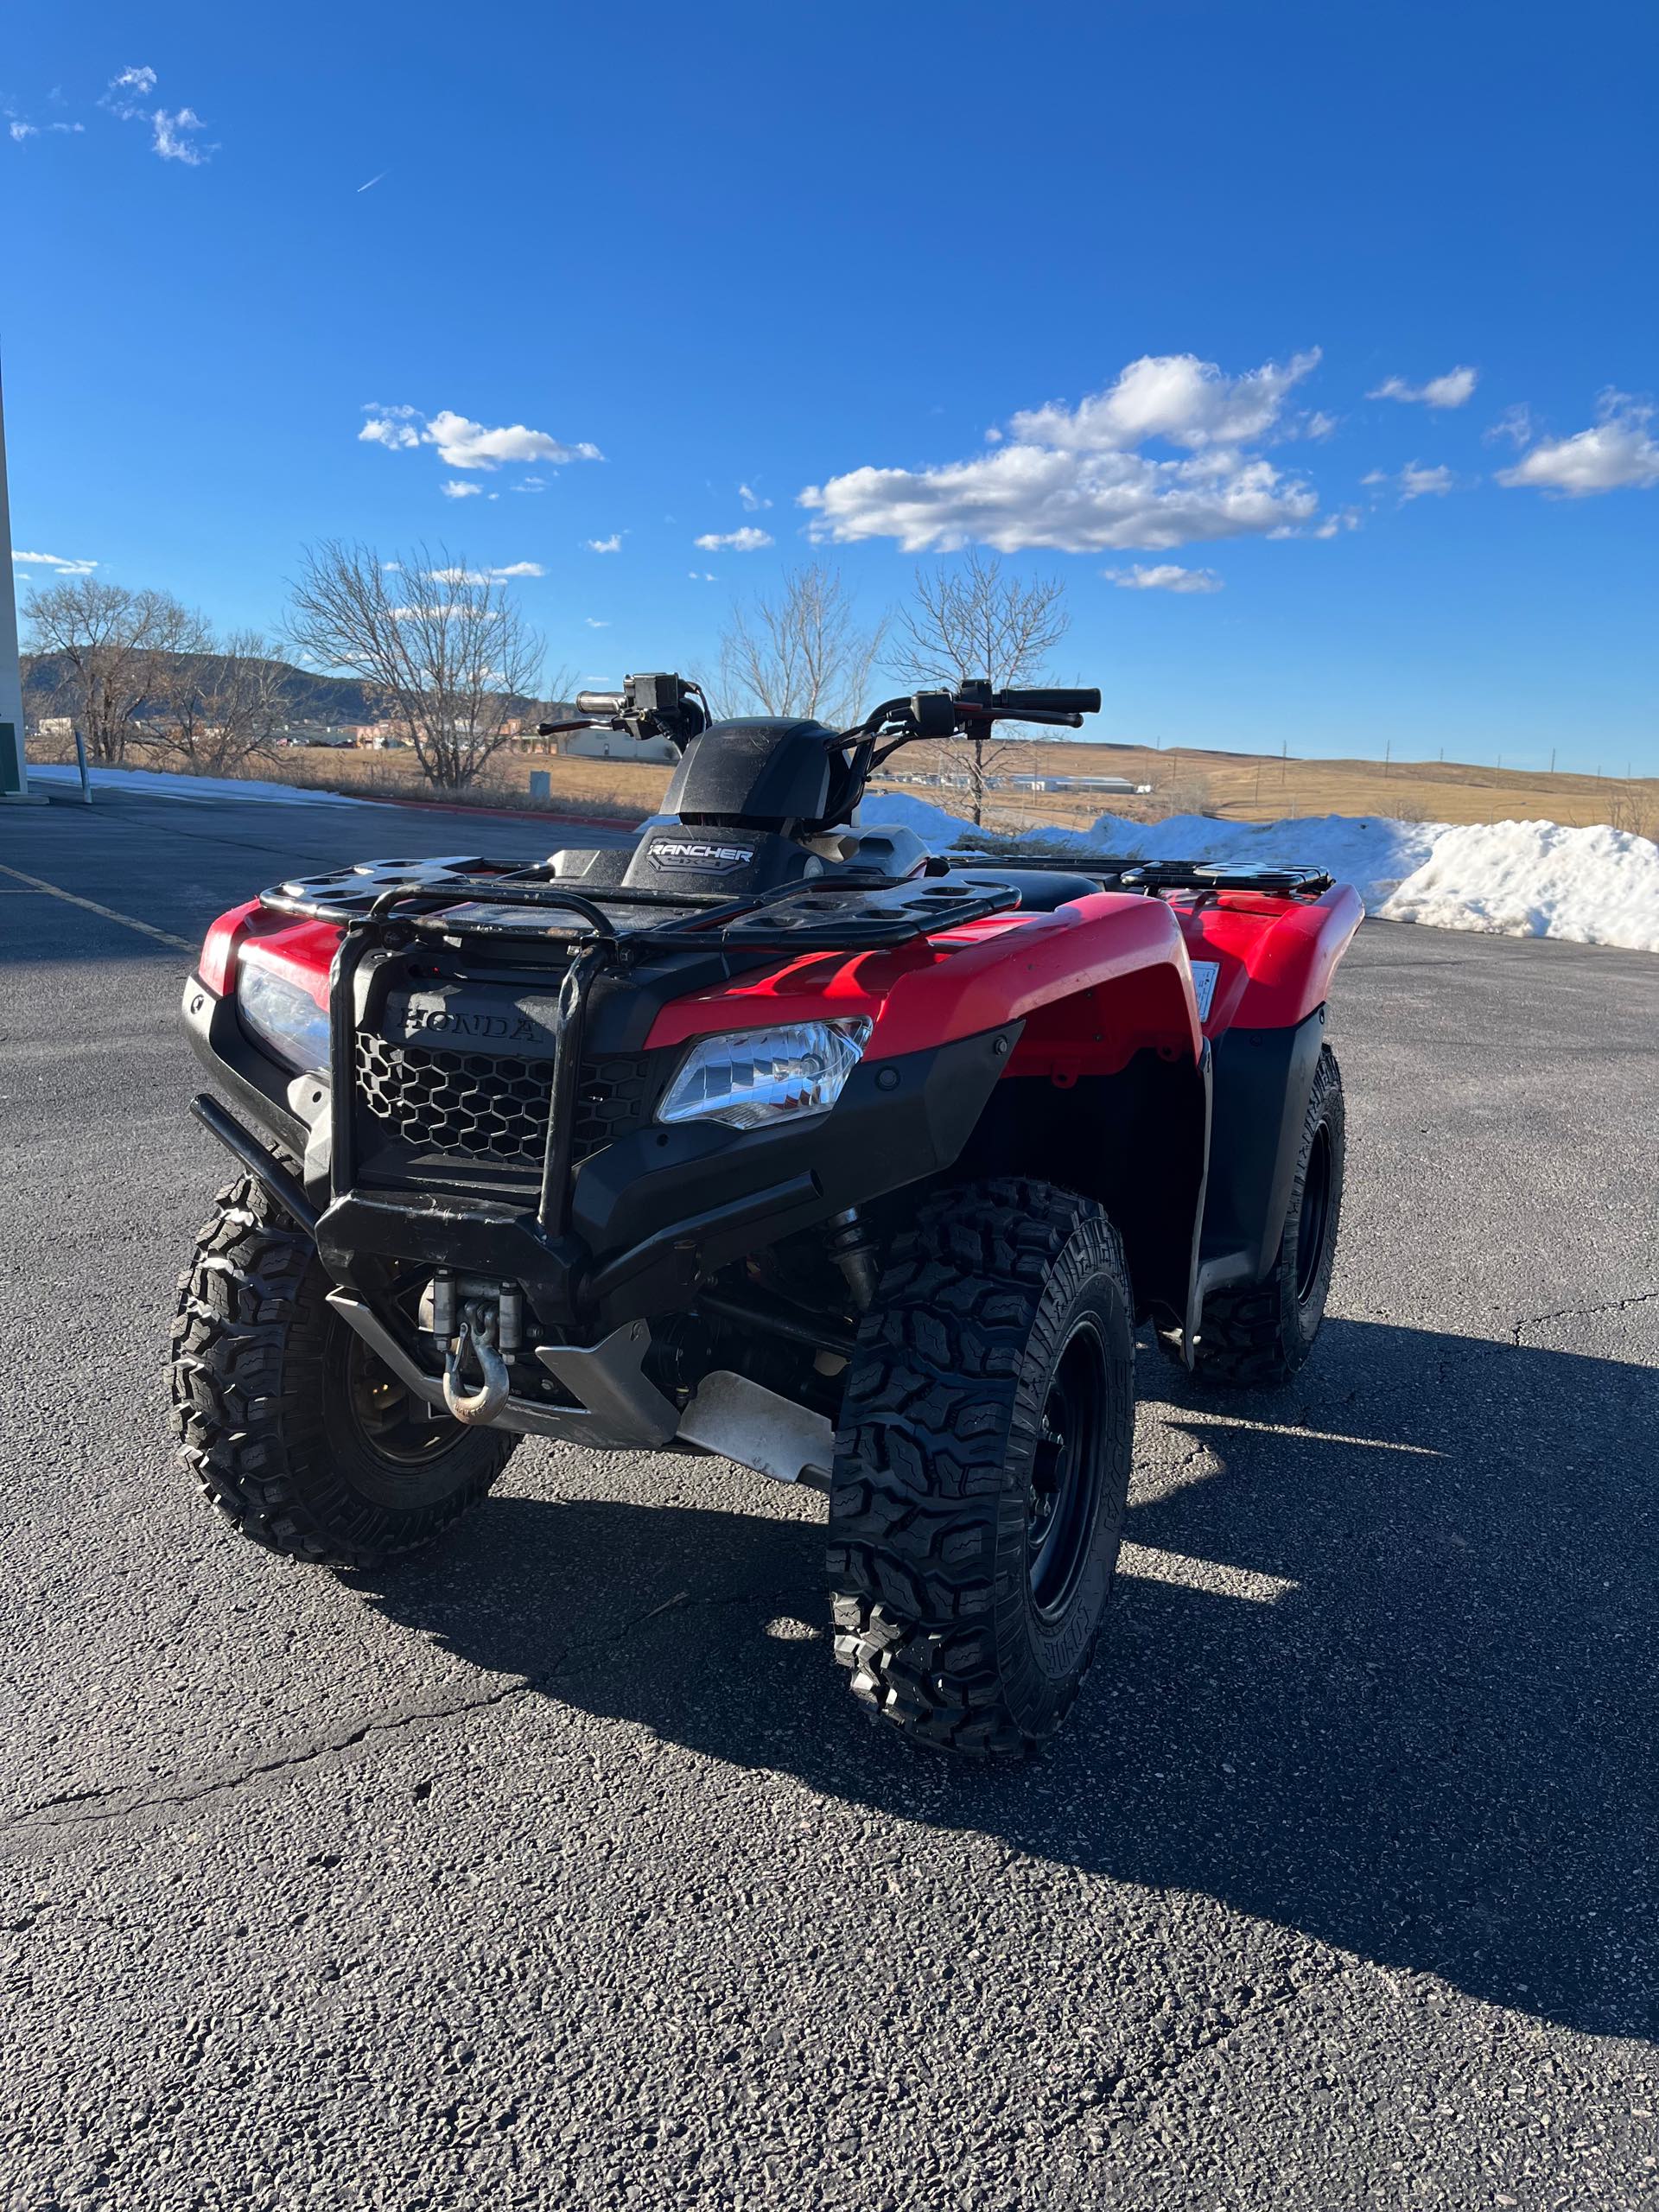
(1124, 289)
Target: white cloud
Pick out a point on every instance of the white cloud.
(1173, 396)
(1320, 425)
(1514, 423)
(593, 624)
(170, 140)
(462, 443)
(1619, 453)
(1074, 481)
(59, 564)
(529, 484)
(172, 129)
(1449, 390)
(1415, 481)
(605, 544)
(1167, 575)
(746, 540)
(701, 576)
(485, 576)
(752, 500)
(454, 489)
(381, 430)
(21, 130)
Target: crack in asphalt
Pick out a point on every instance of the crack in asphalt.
(38, 1819)
(52, 1817)
(1582, 1312)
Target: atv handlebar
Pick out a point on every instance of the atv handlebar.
(601, 702)
(1047, 702)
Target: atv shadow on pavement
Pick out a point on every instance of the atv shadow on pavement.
(1419, 1726)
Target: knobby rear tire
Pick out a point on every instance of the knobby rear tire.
(1258, 1337)
(268, 1385)
(942, 1615)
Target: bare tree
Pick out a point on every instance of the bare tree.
(220, 707)
(973, 623)
(112, 645)
(441, 643)
(802, 653)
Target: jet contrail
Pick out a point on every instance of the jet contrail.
(373, 181)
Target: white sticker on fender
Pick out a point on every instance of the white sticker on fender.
(1204, 973)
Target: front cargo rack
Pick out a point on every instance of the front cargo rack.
(477, 898)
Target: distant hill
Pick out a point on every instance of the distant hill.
(306, 697)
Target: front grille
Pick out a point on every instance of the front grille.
(476, 1106)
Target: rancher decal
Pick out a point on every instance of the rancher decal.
(699, 854)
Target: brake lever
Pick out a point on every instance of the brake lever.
(1068, 721)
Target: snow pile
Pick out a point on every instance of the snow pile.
(1535, 879)
(1375, 855)
(163, 782)
(1510, 878)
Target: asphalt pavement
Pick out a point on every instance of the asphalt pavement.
(558, 1867)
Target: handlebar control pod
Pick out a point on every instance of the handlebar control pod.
(1049, 703)
(601, 702)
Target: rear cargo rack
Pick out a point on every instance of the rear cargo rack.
(1154, 876)
(1217, 875)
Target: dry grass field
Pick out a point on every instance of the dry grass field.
(1238, 786)
(1254, 787)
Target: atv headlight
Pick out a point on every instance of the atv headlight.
(754, 1078)
(283, 1014)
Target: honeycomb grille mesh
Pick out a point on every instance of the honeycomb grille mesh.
(477, 1106)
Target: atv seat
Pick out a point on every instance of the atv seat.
(1041, 890)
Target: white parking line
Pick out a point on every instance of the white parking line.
(108, 913)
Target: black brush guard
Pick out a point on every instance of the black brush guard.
(388, 906)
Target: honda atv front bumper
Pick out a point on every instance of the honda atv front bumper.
(646, 1218)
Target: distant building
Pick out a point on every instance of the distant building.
(309, 733)
(1112, 786)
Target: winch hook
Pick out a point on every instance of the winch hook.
(476, 1334)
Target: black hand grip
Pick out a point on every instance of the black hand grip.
(601, 702)
(1049, 702)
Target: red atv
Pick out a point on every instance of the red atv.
(770, 1136)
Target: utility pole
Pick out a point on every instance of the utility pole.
(13, 769)
(1551, 760)
(1387, 756)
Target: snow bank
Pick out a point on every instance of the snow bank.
(162, 783)
(1510, 878)
(1535, 879)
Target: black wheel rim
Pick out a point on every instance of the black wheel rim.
(391, 1422)
(1315, 1215)
(1066, 1474)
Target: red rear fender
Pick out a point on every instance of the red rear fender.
(1274, 958)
